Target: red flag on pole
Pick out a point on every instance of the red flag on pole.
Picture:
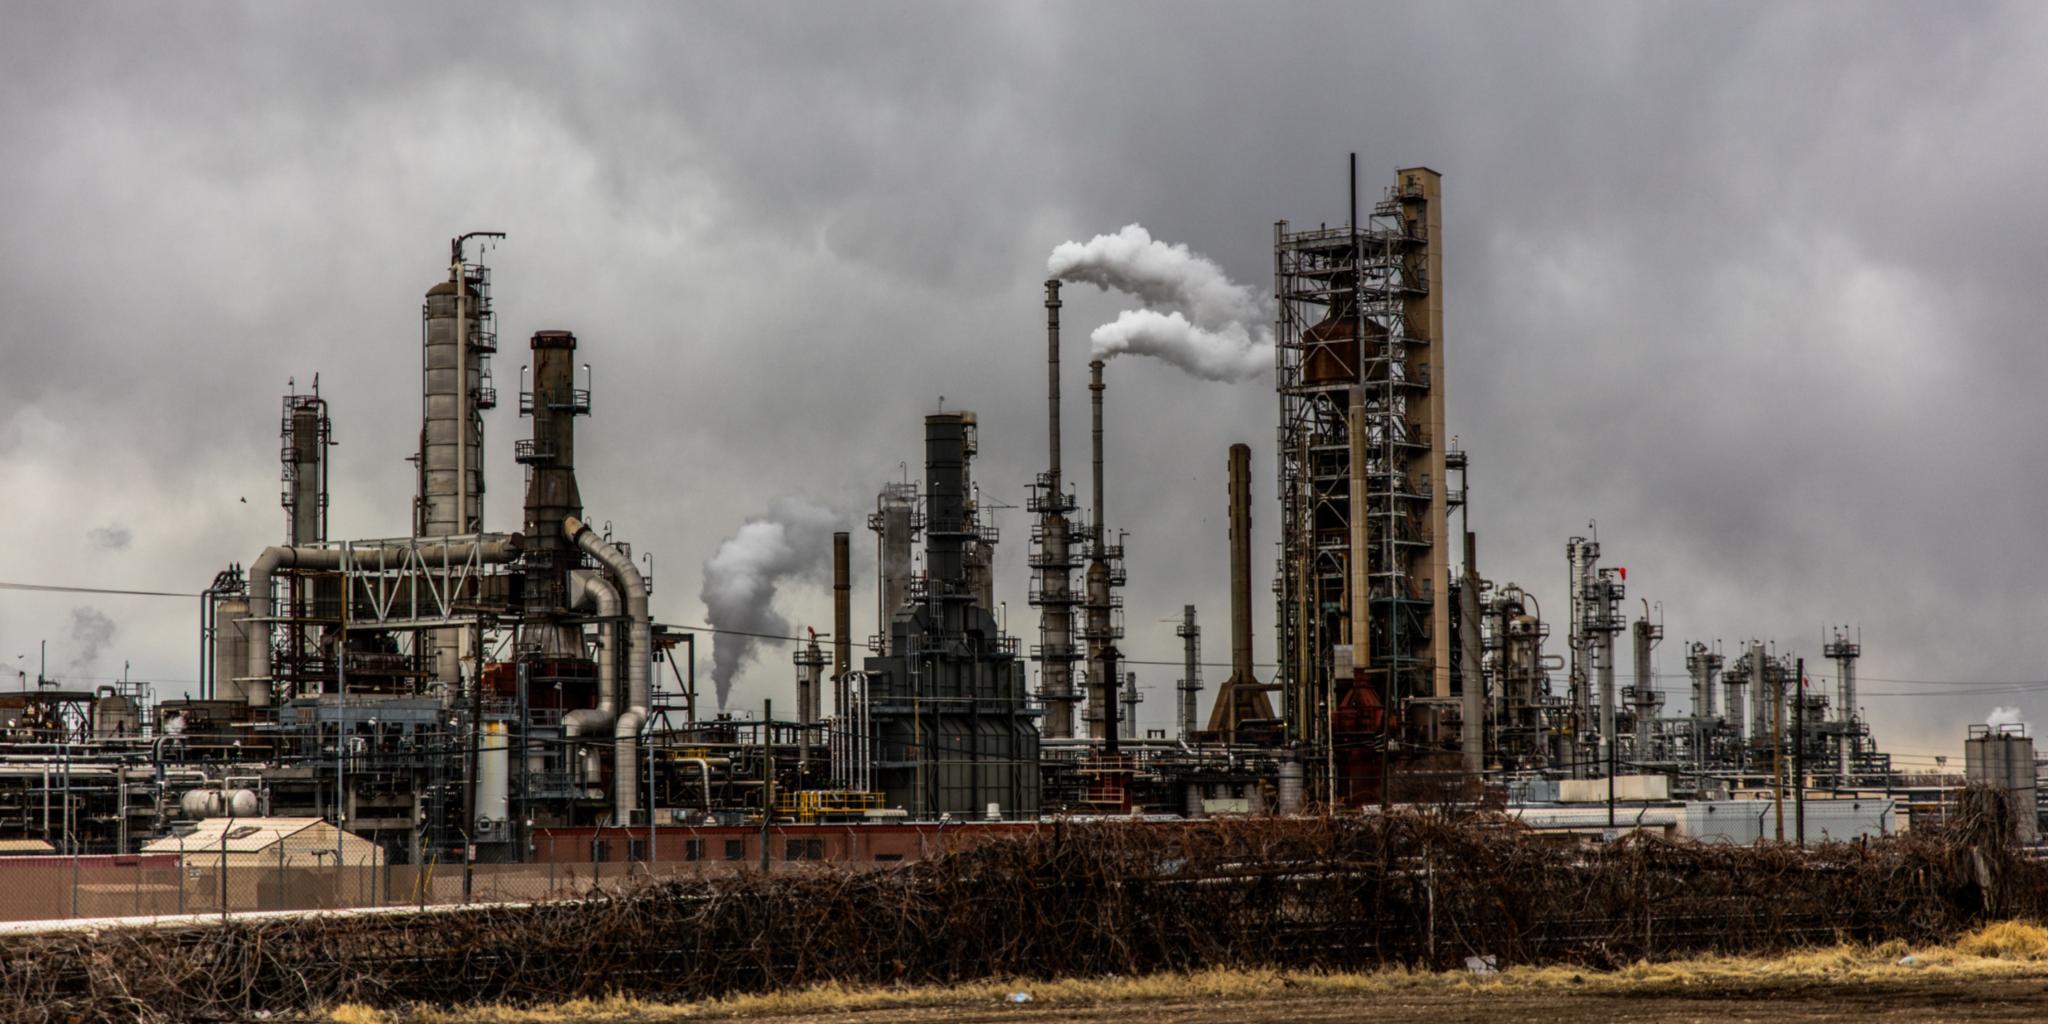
(1623, 570)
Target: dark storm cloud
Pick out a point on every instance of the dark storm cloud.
(1753, 285)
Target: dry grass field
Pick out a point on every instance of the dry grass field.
(1998, 973)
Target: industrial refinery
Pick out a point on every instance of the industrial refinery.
(459, 688)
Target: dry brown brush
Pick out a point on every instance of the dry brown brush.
(1072, 900)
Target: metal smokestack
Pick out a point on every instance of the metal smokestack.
(1240, 699)
(1054, 595)
(1241, 563)
(1052, 380)
(842, 617)
(1102, 689)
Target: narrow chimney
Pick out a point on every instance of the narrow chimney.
(1241, 563)
(842, 617)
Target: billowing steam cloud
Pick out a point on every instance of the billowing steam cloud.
(793, 541)
(2003, 715)
(91, 633)
(1196, 317)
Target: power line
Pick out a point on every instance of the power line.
(54, 589)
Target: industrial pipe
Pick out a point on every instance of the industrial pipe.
(491, 549)
(639, 647)
(588, 590)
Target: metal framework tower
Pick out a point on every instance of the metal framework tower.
(1056, 541)
(1103, 607)
(1843, 648)
(1362, 480)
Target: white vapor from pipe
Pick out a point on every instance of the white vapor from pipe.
(1195, 316)
(794, 540)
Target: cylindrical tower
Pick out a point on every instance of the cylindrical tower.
(307, 433)
(458, 335)
(553, 402)
(897, 523)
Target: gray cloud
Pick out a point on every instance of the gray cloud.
(1751, 284)
(114, 537)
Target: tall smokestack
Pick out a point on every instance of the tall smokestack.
(1052, 381)
(1241, 563)
(1102, 690)
(1054, 595)
(1240, 699)
(842, 617)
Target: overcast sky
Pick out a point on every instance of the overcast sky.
(1756, 286)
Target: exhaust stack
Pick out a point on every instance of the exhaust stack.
(1240, 699)
(1054, 594)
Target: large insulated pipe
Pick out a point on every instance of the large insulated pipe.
(639, 648)
(842, 617)
(589, 591)
(491, 549)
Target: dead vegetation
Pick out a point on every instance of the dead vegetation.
(1331, 898)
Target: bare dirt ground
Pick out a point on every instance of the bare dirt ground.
(1915, 1002)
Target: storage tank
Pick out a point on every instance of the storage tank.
(493, 776)
(115, 717)
(2004, 758)
(213, 803)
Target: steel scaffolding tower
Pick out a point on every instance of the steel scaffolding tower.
(1363, 581)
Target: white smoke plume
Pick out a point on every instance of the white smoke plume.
(2003, 715)
(1223, 355)
(792, 541)
(91, 633)
(1195, 316)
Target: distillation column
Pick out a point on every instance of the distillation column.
(897, 523)
(1646, 700)
(458, 334)
(1702, 665)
